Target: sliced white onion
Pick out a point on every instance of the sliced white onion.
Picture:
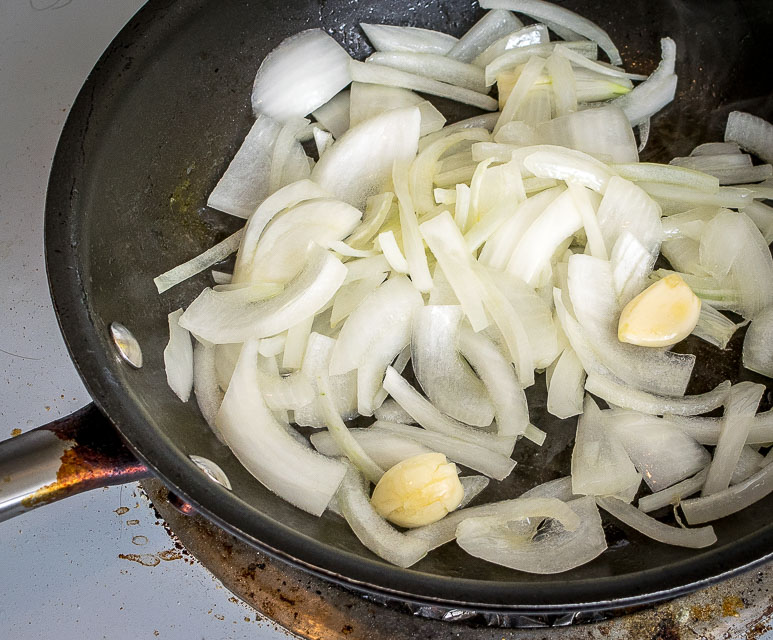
(208, 394)
(521, 55)
(359, 164)
(707, 430)
(560, 489)
(562, 17)
(390, 411)
(343, 389)
(299, 475)
(380, 74)
(741, 404)
(195, 265)
(334, 114)
(751, 133)
(758, 344)
(631, 266)
(178, 358)
(287, 197)
(567, 386)
(567, 164)
(563, 84)
(285, 392)
(432, 419)
(295, 345)
(288, 159)
(273, 346)
(376, 211)
(674, 198)
(762, 215)
(483, 121)
(523, 37)
(715, 328)
(600, 464)
(231, 316)
(322, 139)
(442, 372)
(603, 68)
(473, 486)
(516, 133)
(674, 494)
(667, 174)
(476, 456)
(749, 462)
(381, 323)
(656, 91)
(371, 529)
(636, 519)
(437, 67)
(302, 73)
(221, 277)
(245, 183)
(413, 245)
(526, 80)
(386, 449)
(370, 100)
(623, 396)
(388, 245)
(599, 132)
(731, 500)
(492, 26)
(350, 295)
(715, 148)
(558, 547)
(387, 37)
(627, 208)
(449, 248)
(497, 374)
(366, 268)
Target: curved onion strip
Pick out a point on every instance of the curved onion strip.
(567, 386)
(359, 163)
(731, 500)
(752, 133)
(507, 396)
(492, 26)
(636, 519)
(389, 247)
(758, 344)
(351, 295)
(373, 530)
(741, 404)
(208, 394)
(211, 256)
(178, 358)
(385, 449)
(295, 345)
(443, 374)
(623, 396)
(413, 245)
(483, 121)
(526, 80)
(707, 430)
(433, 66)
(334, 114)
(430, 418)
(299, 475)
(521, 55)
(228, 317)
(473, 486)
(390, 411)
(376, 211)
(555, 549)
(523, 37)
(673, 494)
(302, 73)
(560, 489)
(387, 37)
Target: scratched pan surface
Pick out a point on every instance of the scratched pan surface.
(153, 129)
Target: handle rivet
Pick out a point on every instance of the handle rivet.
(127, 345)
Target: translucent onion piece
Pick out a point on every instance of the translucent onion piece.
(431, 419)
(434, 66)
(295, 473)
(675, 198)
(567, 386)
(492, 26)
(587, 205)
(449, 248)
(707, 430)
(521, 55)
(729, 501)
(443, 374)
(413, 245)
(208, 394)
(751, 133)
(343, 387)
(636, 519)
(245, 183)
(627, 208)
(473, 486)
(567, 164)
(483, 121)
(370, 100)
(385, 449)
(599, 132)
(594, 65)
(286, 197)
(674, 494)
(273, 346)
(376, 211)
(381, 323)
(563, 84)
(373, 530)
(653, 172)
(295, 345)
(221, 277)
(526, 80)
(560, 489)
(600, 464)
(302, 73)
(561, 17)
(623, 396)
(280, 254)
(758, 344)
(507, 396)
(749, 462)
(334, 114)
(386, 37)
(211, 256)
(715, 148)
(286, 392)
(555, 549)
(380, 74)
(288, 160)
(476, 456)
(322, 140)
(654, 93)
(740, 406)
(350, 296)
(366, 268)
(529, 35)
(359, 164)
(662, 453)
(631, 266)
(715, 328)
(516, 133)
(390, 411)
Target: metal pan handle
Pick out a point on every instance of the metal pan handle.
(77, 453)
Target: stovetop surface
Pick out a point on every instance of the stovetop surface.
(103, 564)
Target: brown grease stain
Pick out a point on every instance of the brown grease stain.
(15, 432)
(132, 523)
(121, 510)
(140, 540)
(145, 559)
(731, 606)
(702, 612)
(169, 555)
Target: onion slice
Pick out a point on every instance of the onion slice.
(387, 37)
(751, 133)
(636, 519)
(384, 448)
(178, 358)
(492, 26)
(758, 344)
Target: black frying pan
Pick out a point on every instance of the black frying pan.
(152, 130)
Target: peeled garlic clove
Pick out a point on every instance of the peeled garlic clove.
(418, 491)
(661, 315)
